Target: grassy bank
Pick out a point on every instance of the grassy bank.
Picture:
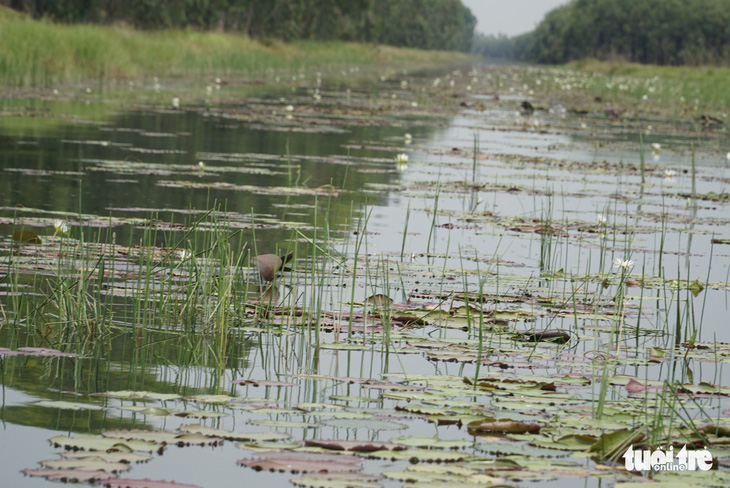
(694, 88)
(41, 53)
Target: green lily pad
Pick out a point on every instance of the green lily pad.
(69, 405)
(94, 443)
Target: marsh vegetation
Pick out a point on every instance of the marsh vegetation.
(501, 276)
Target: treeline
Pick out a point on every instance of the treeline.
(662, 32)
(426, 24)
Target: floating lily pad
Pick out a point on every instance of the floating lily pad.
(26, 237)
(338, 480)
(414, 455)
(370, 424)
(349, 445)
(302, 462)
(110, 457)
(94, 443)
(75, 475)
(69, 405)
(140, 395)
(145, 483)
(86, 464)
(431, 442)
(265, 383)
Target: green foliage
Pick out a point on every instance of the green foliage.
(426, 24)
(662, 32)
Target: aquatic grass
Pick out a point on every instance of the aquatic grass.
(642, 158)
(546, 237)
(405, 230)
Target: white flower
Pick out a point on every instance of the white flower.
(727, 156)
(401, 162)
(626, 264)
(408, 138)
(601, 219)
(60, 226)
(175, 102)
(201, 166)
(656, 147)
(414, 104)
(289, 108)
(669, 173)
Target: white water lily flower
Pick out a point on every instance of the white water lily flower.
(60, 226)
(601, 219)
(656, 147)
(669, 173)
(623, 263)
(408, 138)
(289, 108)
(401, 162)
(175, 102)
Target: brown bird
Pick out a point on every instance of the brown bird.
(269, 264)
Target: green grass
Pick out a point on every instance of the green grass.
(689, 89)
(41, 53)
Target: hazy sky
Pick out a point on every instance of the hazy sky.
(510, 17)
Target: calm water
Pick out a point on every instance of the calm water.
(114, 163)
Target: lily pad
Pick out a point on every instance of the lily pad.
(302, 462)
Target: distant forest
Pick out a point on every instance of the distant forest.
(426, 24)
(662, 32)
